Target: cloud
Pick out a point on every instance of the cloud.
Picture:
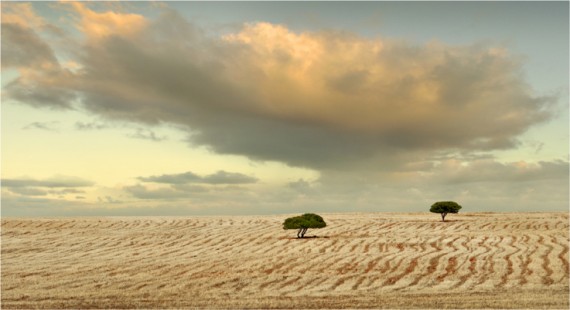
(36, 91)
(41, 81)
(171, 193)
(220, 177)
(219, 186)
(147, 134)
(108, 199)
(223, 177)
(53, 182)
(455, 172)
(90, 126)
(182, 178)
(481, 185)
(96, 25)
(22, 47)
(38, 191)
(322, 99)
(66, 191)
(302, 186)
(21, 14)
(536, 145)
(58, 186)
(28, 191)
(48, 126)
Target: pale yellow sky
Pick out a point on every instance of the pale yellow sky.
(130, 109)
(112, 157)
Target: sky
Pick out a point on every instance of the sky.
(243, 108)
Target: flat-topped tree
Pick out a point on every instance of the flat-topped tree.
(445, 207)
(303, 223)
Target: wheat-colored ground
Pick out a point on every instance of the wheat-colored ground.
(374, 260)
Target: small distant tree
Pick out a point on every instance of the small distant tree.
(303, 223)
(445, 207)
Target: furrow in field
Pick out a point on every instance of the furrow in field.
(283, 264)
(428, 263)
(340, 281)
(385, 271)
(472, 263)
(448, 264)
(491, 261)
(526, 258)
(546, 279)
(563, 256)
(409, 270)
(376, 268)
(559, 270)
(509, 263)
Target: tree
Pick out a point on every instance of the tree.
(303, 223)
(445, 207)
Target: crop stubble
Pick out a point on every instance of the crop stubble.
(368, 260)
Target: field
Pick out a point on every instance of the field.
(360, 260)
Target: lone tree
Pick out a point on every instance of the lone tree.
(303, 223)
(445, 207)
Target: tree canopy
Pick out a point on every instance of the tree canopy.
(445, 207)
(304, 222)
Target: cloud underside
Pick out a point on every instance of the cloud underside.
(322, 100)
(539, 183)
(514, 186)
(220, 177)
(58, 185)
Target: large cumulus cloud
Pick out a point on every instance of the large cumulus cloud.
(323, 100)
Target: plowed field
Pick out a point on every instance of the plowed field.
(360, 260)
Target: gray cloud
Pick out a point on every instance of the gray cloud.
(181, 178)
(22, 47)
(146, 134)
(54, 182)
(324, 100)
(537, 145)
(28, 191)
(108, 199)
(39, 94)
(57, 185)
(48, 126)
(301, 186)
(169, 193)
(66, 191)
(41, 84)
(492, 171)
(188, 188)
(481, 185)
(220, 177)
(219, 186)
(223, 177)
(90, 126)
(501, 187)
(38, 191)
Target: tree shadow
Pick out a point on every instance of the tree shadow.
(306, 237)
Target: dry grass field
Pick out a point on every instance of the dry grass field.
(360, 260)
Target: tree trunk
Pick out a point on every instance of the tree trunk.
(443, 217)
(301, 232)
